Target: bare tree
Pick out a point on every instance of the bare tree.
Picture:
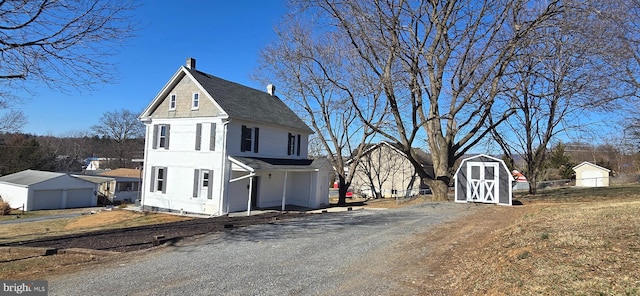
(435, 65)
(11, 120)
(122, 128)
(62, 43)
(300, 64)
(564, 71)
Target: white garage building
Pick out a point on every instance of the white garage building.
(591, 175)
(38, 190)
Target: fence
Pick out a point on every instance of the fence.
(591, 182)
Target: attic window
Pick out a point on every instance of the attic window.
(172, 102)
(195, 102)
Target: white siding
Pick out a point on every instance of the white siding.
(272, 141)
(16, 196)
(181, 159)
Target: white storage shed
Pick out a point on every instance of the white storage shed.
(483, 178)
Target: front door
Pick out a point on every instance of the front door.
(482, 184)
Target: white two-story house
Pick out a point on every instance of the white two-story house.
(214, 147)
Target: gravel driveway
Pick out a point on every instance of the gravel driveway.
(328, 254)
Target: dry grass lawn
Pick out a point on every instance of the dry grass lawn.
(588, 248)
(561, 242)
(89, 222)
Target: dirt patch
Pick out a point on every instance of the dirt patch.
(34, 267)
(100, 220)
(104, 218)
(433, 256)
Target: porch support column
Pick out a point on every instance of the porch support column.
(250, 190)
(284, 190)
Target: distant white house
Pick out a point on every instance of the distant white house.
(126, 187)
(591, 175)
(385, 171)
(38, 190)
(214, 146)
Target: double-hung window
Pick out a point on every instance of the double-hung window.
(195, 101)
(159, 179)
(293, 145)
(172, 102)
(161, 136)
(247, 138)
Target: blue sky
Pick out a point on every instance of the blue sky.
(225, 37)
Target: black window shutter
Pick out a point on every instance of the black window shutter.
(298, 143)
(243, 137)
(289, 144)
(255, 142)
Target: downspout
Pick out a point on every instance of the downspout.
(144, 172)
(223, 182)
(311, 198)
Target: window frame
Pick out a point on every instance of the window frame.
(195, 101)
(159, 181)
(291, 144)
(246, 138)
(173, 98)
(162, 136)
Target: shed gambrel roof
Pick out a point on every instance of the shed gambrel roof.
(236, 100)
(29, 177)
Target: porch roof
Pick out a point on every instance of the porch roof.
(278, 164)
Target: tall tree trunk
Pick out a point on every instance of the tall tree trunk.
(439, 189)
(343, 187)
(533, 180)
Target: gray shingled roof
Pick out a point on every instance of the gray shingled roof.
(94, 179)
(29, 177)
(269, 164)
(247, 103)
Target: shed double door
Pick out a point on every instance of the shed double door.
(482, 182)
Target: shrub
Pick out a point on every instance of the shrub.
(5, 208)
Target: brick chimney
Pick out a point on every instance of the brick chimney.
(191, 63)
(271, 89)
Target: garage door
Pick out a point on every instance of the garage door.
(46, 199)
(592, 178)
(80, 198)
